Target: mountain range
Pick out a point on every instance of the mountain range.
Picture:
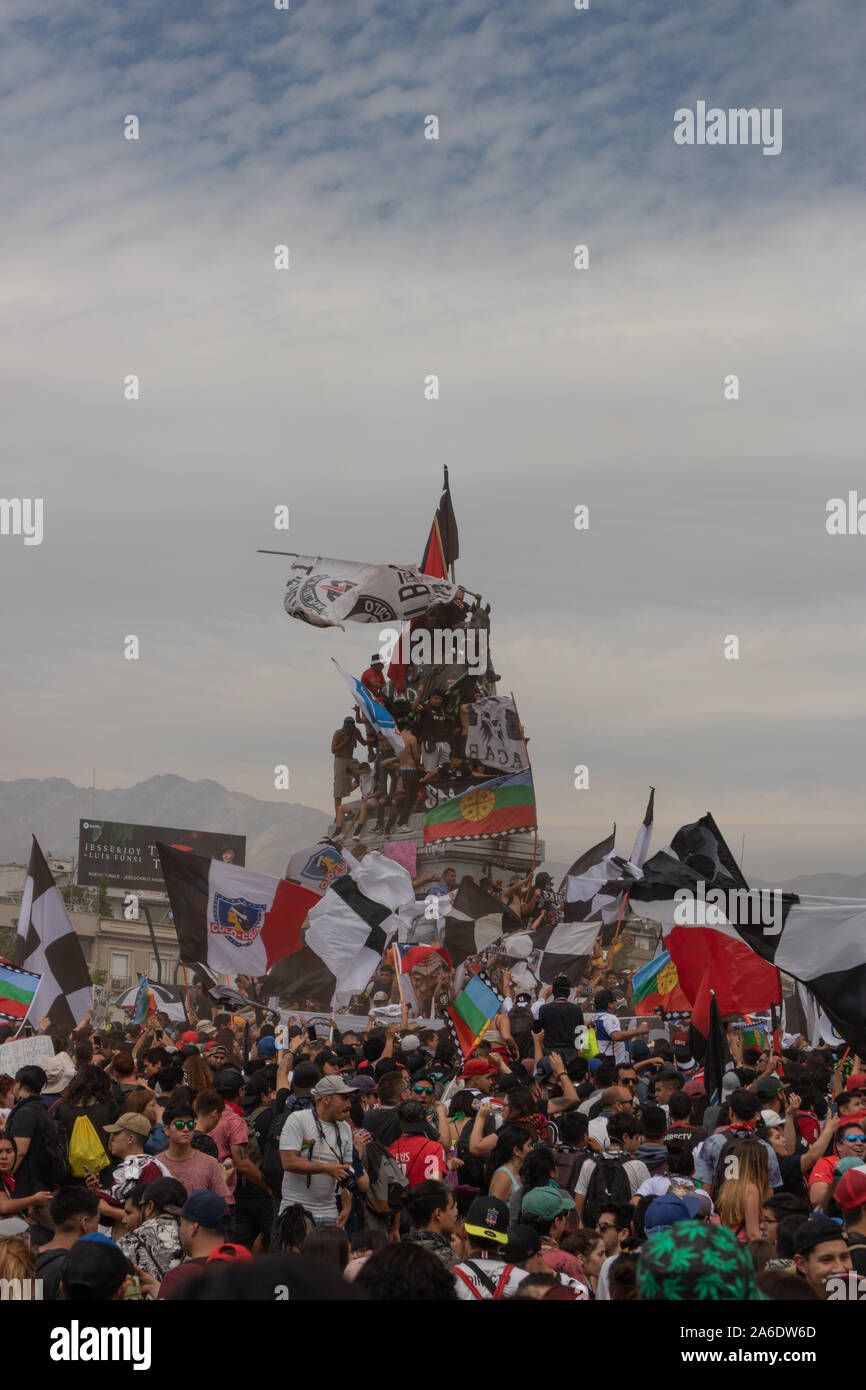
(51, 808)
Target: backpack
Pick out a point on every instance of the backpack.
(473, 1172)
(51, 1161)
(608, 1186)
(520, 1020)
(271, 1166)
(388, 1182)
(569, 1162)
(254, 1148)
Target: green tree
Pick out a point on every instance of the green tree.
(104, 905)
(7, 942)
(99, 977)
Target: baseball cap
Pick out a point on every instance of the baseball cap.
(768, 1087)
(331, 1086)
(666, 1211)
(695, 1088)
(476, 1066)
(376, 659)
(856, 1081)
(267, 1047)
(365, 1085)
(814, 1232)
(229, 1252)
(506, 1081)
(488, 1217)
(639, 1050)
(851, 1190)
(94, 1269)
(771, 1119)
(745, 1103)
(206, 1027)
(228, 1081)
(410, 1043)
(207, 1209)
(411, 1114)
(191, 1036)
(133, 1124)
(546, 1202)
(348, 722)
(380, 998)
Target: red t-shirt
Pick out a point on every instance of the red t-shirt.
(420, 1158)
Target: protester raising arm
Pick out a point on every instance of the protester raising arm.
(569, 1095)
(481, 1146)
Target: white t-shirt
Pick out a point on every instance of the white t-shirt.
(606, 1048)
(635, 1170)
(493, 1269)
(303, 1132)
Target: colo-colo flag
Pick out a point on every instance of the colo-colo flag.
(476, 920)
(46, 944)
(326, 592)
(232, 919)
(502, 806)
(565, 947)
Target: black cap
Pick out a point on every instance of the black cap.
(94, 1270)
(744, 1103)
(376, 659)
(488, 1218)
(228, 1081)
(507, 1081)
(816, 1231)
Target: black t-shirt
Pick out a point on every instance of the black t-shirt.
(559, 1019)
(28, 1120)
(48, 1266)
(434, 725)
(792, 1174)
(857, 1244)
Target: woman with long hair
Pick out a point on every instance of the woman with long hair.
(513, 1145)
(330, 1244)
(744, 1189)
(88, 1097)
(197, 1073)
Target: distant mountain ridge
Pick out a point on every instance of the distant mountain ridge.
(816, 885)
(51, 808)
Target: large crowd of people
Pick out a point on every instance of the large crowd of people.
(224, 1158)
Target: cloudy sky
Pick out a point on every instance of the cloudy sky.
(558, 387)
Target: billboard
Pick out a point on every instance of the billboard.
(125, 855)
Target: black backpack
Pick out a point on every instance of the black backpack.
(569, 1162)
(608, 1186)
(50, 1149)
(473, 1172)
(272, 1165)
(520, 1021)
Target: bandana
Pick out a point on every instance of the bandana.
(692, 1261)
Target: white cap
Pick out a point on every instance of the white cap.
(771, 1119)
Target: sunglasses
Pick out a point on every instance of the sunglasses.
(423, 1090)
(606, 1226)
(854, 1138)
(184, 1124)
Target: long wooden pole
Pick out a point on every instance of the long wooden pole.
(618, 926)
(529, 766)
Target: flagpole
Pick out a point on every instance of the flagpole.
(618, 925)
(529, 766)
(186, 987)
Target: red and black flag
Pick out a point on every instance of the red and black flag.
(443, 543)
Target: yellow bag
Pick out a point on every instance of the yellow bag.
(85, 1149)
(586, 1042)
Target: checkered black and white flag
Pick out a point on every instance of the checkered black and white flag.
(46, 944)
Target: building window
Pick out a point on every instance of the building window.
(119, 974)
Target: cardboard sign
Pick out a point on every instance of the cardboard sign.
(101, 999)
(25, 1052)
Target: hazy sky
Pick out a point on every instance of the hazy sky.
(558, 387)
